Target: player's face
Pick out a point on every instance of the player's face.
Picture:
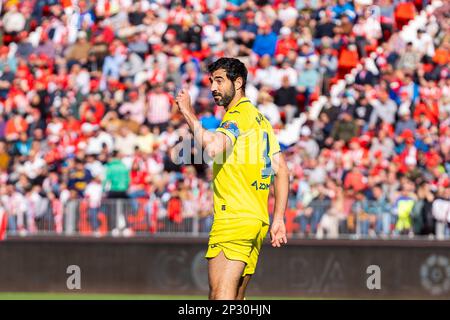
(222, 88)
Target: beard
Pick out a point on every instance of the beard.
(225, 99)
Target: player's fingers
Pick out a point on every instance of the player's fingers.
(273, 241)
(272, 238)
(277, 241)
(284, 239)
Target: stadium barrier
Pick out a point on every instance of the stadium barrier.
(111, 216)
(153, 217)
(176, 266)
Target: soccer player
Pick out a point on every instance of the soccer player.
(247, 159)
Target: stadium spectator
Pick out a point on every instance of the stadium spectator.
(441, 212)
(268, 108)
(265, 41)
(318, 206)
(93, 194)
(345, 129)
(308, 81)
(117, 177)
(286, 99)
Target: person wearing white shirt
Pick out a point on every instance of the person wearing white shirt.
(94, 194)
(15, 206)
(82, 81)
(268, 108)
(13, 20)
(287, 14)
(286, 71)
(168, 138)
(95, 167)
(95, 143)
(155, 164)
(441, 213)
(423, 43)
(33, 167)
(125, 142)
(252, 93)
(266, 75)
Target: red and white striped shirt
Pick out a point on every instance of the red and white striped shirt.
(159, 107)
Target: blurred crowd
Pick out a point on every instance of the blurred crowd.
(87, 112)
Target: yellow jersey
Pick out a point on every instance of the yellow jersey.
(242, 175)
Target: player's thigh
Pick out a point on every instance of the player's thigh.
(222, 270)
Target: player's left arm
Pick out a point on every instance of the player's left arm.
(214, 142)
(281, 189)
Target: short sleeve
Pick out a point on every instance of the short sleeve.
(231, 125)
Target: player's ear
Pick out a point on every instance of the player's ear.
(238, 83)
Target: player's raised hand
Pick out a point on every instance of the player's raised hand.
(183, 100)
(278, 233)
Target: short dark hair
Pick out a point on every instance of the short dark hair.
(233, 67)
(379, 186)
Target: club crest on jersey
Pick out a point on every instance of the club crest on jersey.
(231, 126)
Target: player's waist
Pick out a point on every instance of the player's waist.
(262, 214)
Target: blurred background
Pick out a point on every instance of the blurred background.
(357, 91)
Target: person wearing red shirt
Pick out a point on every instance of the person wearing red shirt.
(286, 42)
(72, 124)
(174, 206)
(427, 108)
(14, 126)
(55, 154)
(348, 59)
(355, 179)
(94, 107)
(139, 179)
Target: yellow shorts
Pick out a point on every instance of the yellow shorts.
(239, 239)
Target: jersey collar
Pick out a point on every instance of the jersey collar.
(242, 100)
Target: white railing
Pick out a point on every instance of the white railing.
(152, 217)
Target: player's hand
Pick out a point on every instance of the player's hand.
(278, 233)
(183, 100)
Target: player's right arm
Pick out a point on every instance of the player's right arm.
(213, 142)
